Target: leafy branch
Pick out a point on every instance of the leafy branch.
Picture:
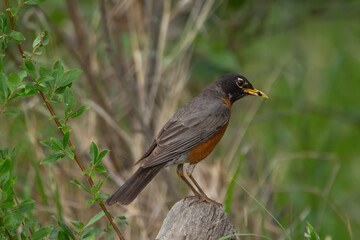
(53, 86)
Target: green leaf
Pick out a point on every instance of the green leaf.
(64, 227)
(77, 183)
(4, 91)
(80, 111)
(30, 87)
(52, 158)
(89, 234)
(27, 54)
(70, 154)
(5, 171)
(2, 69)
(13, 81)
(24, 206)
(25, 88)
(30, 68)
(38, 53)
(55, 116)
(46, 144)
(22, 74)
(100, 169)
(56, 144)
(4, 41)
(44, 72)
(14, 11)
(16, 36)
(103, 195)
(121, 217)
(92, 175)
(61, 90)
(87, 171)
(4, 22)
(44, 79)
(123, 220)
(58, 72)
(37, 41)
(310, 233)
(66, 139)
(42, 233)
(69, 77)
(46, 38)
(12, 111)
(78, 225)
(22, 93)
(93, 151)
(101, 156)
(95, 218)
(97, 186)
(62, 235)
(70, 101)
(90, 202)
(3, 196)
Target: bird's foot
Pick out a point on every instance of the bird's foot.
(192, 197)
(203, 198)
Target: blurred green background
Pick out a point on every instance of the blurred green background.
(297, 152)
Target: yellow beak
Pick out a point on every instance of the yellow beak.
(255, 92)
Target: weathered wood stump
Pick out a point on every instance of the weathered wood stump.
(189, 221)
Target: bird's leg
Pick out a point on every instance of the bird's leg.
(180, 173)
(202, 195)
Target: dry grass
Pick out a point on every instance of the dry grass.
(136, 57)
(148, 47)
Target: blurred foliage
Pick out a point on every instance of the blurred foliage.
(299, 155)
(310, 125)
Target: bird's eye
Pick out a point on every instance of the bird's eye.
(240, 82)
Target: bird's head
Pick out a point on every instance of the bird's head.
(236, 86)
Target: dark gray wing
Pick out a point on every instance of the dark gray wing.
(190, 126)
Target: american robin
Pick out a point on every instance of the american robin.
(189, 136)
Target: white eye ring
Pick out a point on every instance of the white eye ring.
(240, 82)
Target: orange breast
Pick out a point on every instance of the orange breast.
(205, 148)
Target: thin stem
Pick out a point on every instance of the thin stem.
(37, 46)
(20, 4)
(7, 232)
(13, 28)
(80, 164)
(6, 102)
(78, 161)
(3, 107)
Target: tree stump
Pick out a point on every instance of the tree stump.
(188, 220)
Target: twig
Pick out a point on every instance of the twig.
(7, 232)
(117, 63)
(37, 46)
(13, 27)
(78, 161)
(21, 3)
(82, 46)
(3, 107)
(6, 102)
(194, 25)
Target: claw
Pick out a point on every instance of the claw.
(201, 199)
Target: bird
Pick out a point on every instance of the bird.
(188, 137)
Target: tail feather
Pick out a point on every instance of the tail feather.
(134, 185)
